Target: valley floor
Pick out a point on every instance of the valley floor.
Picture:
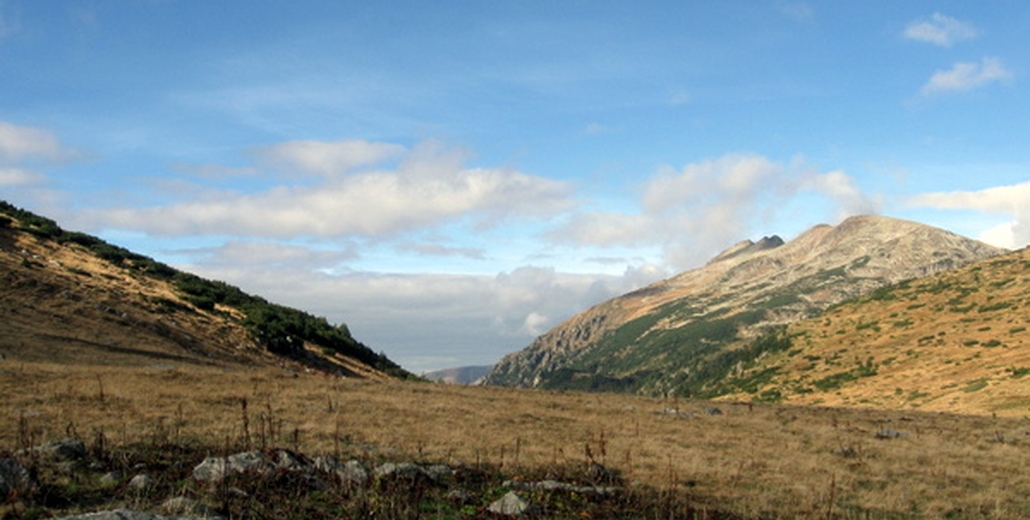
(767, 461)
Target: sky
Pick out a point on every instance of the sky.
(452, 179)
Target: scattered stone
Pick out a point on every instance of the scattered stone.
(351, 473)
(64, 450)
(186, 506)
(404, 470)
(439, 472)
(111, 478)
(512, 504)
(889, 433)
(713, 411)
(554, 485)
(214, 469)
(141, 482)
(459, 496)
(290, 461)
(13, 477)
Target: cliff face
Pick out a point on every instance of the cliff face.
(668, 336)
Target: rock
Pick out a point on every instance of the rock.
(214, 469)
(290, 461)
(111, 478)
(512, 504)
(712, 411)
(459, 496)
(64, 450)
(351, 473)
(554, 485)
(404, 470)
(186, 506)
(141, 482)
(439, 472)
(599, 474)
(13, 477)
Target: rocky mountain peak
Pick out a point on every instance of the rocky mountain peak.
(654, 339)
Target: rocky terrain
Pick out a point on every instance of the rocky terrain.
(685, 334)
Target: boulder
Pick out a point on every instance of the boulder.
(214, 469)
(64, 450)
(512, 504)
(350, 473)
(141, 482)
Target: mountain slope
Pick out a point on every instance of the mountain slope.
(71, 297)
(686, 333)
(957, 341)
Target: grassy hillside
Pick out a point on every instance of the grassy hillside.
(956, 341)
(71, 290)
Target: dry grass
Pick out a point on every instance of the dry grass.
(768, 460)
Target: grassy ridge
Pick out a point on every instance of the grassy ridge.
(281, 330)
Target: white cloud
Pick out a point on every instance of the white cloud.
(425, 321)
(19, 177)
(940, 30)
(328, 158)
(429, 187)
(1012, 201)
(696, 211)
(18, 143)
(965, 76)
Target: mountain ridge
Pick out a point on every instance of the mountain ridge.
(657, 339)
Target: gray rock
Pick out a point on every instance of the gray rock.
(111, 478)
(512, 504)
(13, 477)
(141, 482)
(291, 461)
(439, 472)
(459, 496)
(214, 469)
(186, 506)
(64, 450)
(350, 473)
(404, 470)
(553, 485)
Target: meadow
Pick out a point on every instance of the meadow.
(740, 459)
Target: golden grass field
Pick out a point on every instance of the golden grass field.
(769, 460)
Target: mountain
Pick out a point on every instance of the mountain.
(685, 334)
(470, 375)
(74, 298)
(956, 341)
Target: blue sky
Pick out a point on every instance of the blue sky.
(451, 180)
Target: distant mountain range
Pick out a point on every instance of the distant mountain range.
(72, 297)
(704, 332)
(470, 375)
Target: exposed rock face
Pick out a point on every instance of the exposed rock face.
(659, 338)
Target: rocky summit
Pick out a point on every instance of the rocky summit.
(684, 334)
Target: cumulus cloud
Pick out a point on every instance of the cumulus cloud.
(18, 143)
(430, 186)
(1013, 201)
(695, 211)
(965, 76)
(424, 321)
(940, 30)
